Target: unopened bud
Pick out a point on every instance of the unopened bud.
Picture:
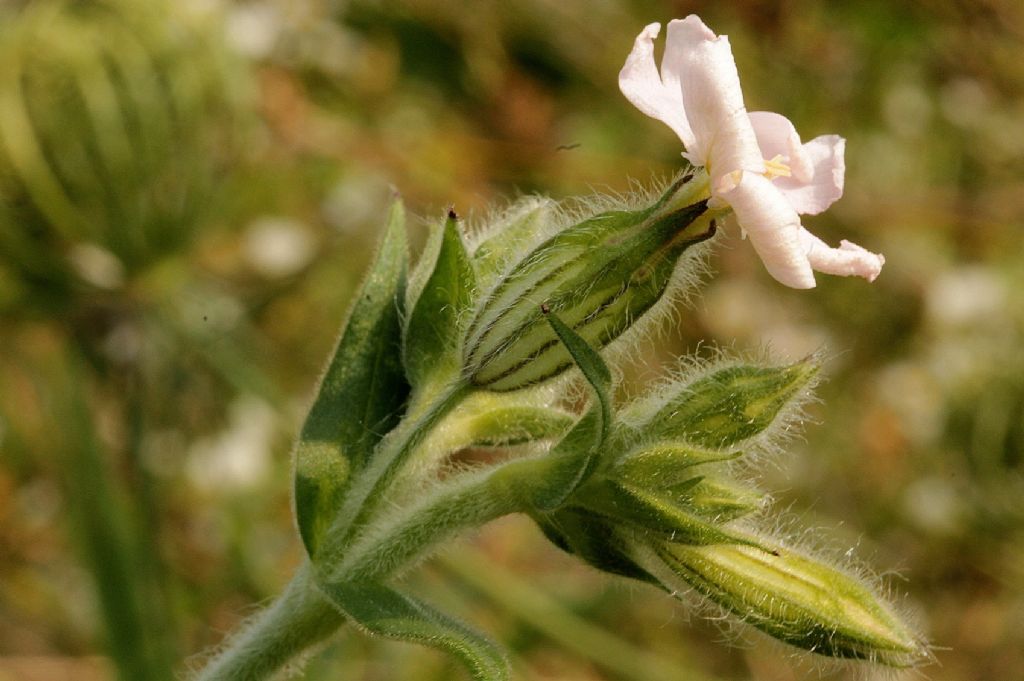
(793, 598)
(658, 511)
(730, 405)
(663, 464)
(717, 500)
(598, 276)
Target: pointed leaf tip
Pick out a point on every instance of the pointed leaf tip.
(594, 369)
(434, 328)
(573, 459)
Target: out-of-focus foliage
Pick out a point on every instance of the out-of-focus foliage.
(188, 192)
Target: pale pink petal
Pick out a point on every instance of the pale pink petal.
(640, 82)
(826, 186)
(849, 260)
(724, 140)
(778, 138)
(673, 62)
(773, 228)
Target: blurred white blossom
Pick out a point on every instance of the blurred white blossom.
(253, 28)
(277, 246)
(239, 457)
(96, 265)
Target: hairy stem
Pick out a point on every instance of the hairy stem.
(299, 618)
(468, 502)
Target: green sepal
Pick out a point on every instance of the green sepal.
(664, 464)
(573, 459)
(730, 405)
(432, 331)
(381, 611)
(361, 394)
(656, 512)
(592, 539)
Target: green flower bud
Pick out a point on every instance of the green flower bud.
(667, 469)
(663, 512)
(717, 500)
(793, 598)
(598, 275)
(663, 464)
(726, 406)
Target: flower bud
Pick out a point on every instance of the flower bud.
(598, 276)
(717, 500)
(724, 407)
(672, 515)
(664, 464)
(793, 598)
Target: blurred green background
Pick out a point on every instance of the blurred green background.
(189, 192)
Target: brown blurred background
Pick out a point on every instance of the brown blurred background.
(190, 191)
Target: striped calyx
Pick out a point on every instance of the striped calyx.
(599, 275)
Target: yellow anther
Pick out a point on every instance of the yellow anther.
(776, 168)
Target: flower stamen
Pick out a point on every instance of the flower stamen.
(774, 167)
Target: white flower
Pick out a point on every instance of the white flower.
(755, 161)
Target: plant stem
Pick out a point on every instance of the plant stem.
(299, 618)
(302, 616)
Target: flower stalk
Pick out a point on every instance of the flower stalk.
(299, 618)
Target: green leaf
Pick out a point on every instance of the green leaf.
(424, 265)
(574, 457)
(590, 363)
(381, 611)
(362, 392)
(433, 330)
